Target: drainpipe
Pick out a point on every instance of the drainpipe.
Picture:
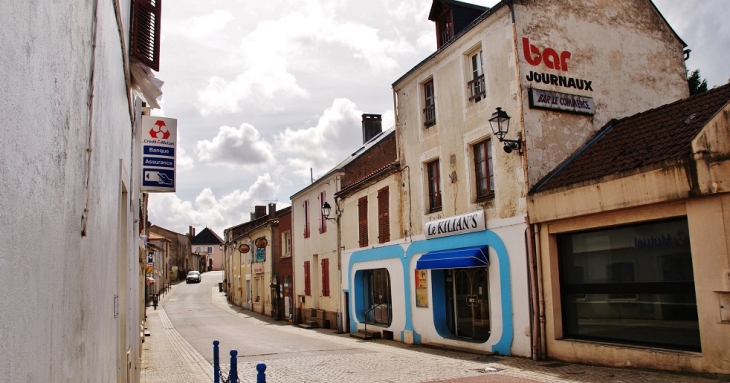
(535, 328)
(541, 291)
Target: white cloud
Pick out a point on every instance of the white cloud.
(337, 134)
(172, 213)
(303, 41)
(235, 147)
(201, 28)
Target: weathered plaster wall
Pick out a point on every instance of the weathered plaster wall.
(711, 150)
(630, 55)
(58, 317)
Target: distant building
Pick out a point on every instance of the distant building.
(208, 246)
(181, 255)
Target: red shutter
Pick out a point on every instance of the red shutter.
(383, 215)
(325, 277)
(362, 217)
(306, 219)
(307, 281)
(145, 33)
(322, 220)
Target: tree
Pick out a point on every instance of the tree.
(697, 85)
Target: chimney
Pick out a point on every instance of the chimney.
(191, 231)
(372, 125)
(259, 211)
(272, 210)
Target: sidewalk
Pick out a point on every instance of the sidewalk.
(166, 356)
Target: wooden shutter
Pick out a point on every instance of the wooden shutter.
(145, 33)
(325, 277)
(307, 281)
(306, 219)
(322, 220)
(383, 215)
(362, 218)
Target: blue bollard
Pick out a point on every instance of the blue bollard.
(216, 363)
(261, 376)
(233, 376)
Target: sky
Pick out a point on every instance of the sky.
(268, 94)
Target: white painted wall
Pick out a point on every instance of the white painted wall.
(57, 316)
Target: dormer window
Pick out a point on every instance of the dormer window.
(451, 17)
(445, 29)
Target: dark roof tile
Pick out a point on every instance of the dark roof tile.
(649, 138)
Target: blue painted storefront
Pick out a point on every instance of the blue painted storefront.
(393, 252)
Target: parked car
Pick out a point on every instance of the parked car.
(193, 276)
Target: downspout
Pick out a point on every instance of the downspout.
(339, 267)
(536, 331)
(537, 320)
(541, 291)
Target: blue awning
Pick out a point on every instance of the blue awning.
(464, 257)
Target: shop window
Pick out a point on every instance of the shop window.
(374, 301)
(632, 284)
(484, 171)
(434, 186)
(383, 215)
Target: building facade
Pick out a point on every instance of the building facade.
(549, 68)
(209, 248)
(72, 306)
(632, 242)
(181, 254)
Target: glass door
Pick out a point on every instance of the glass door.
(471, 303)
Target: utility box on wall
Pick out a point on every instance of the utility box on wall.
(724, 300)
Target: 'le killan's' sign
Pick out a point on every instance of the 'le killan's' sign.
(459, 224)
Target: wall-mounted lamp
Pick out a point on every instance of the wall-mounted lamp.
(326, 210)
(500, 126)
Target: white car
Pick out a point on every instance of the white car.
(193, 276)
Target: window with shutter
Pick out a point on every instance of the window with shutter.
(145, 32)
(325, 277)
(383, 215)
(322, 219)
(306, 219)
(307, 281)
(362, 218)
(483, 168)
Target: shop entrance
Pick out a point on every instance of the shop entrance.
(468, 307)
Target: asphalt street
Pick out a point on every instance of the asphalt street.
(179, 349)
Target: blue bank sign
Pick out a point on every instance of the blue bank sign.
(159, 143)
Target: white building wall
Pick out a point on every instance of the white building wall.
(317, 247)
(67, 169)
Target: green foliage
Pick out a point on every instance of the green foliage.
(697, 85)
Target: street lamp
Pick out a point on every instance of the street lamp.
(326, 209)
(500, 126)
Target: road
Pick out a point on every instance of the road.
(199, 314)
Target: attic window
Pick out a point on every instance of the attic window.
(145, 33)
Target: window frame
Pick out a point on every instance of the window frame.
(322, 219)
(433, 174)
(477, 85)
(306, 219)
(362, 220)
(487, 166)
(429, 103)
(307, 279)
(286, 244)
(325, 262)
(384, 215)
